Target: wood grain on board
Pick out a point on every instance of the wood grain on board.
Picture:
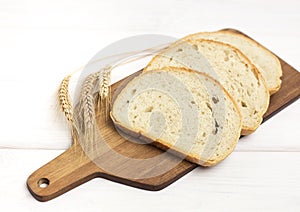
(131, 162)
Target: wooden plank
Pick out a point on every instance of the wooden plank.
(120, 160)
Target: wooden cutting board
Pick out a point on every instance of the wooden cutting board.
(73, 167)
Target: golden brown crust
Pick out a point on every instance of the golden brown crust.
(172, 149)
(275, 89)
(247, 131)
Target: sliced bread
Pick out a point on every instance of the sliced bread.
(182, 110)
(228, 66)
(266, 62)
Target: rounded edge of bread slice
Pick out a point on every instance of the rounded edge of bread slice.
(232, 119)
(255, 74)
(272, 79)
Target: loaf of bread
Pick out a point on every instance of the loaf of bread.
(180, 109)
(266, 63)
(227, 65)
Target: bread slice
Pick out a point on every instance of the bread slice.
(266, 62)
(184, 110)
(227, 65)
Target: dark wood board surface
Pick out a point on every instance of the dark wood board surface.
(74, 167)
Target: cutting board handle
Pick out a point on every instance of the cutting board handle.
(62, 174)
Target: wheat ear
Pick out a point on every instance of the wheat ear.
(87, 114)
(104, 77)
(64, 99)
(87, 100)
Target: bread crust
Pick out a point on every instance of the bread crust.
(171, 149)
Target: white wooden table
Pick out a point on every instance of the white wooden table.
(42, 41)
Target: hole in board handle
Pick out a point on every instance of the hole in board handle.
(43, 183)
